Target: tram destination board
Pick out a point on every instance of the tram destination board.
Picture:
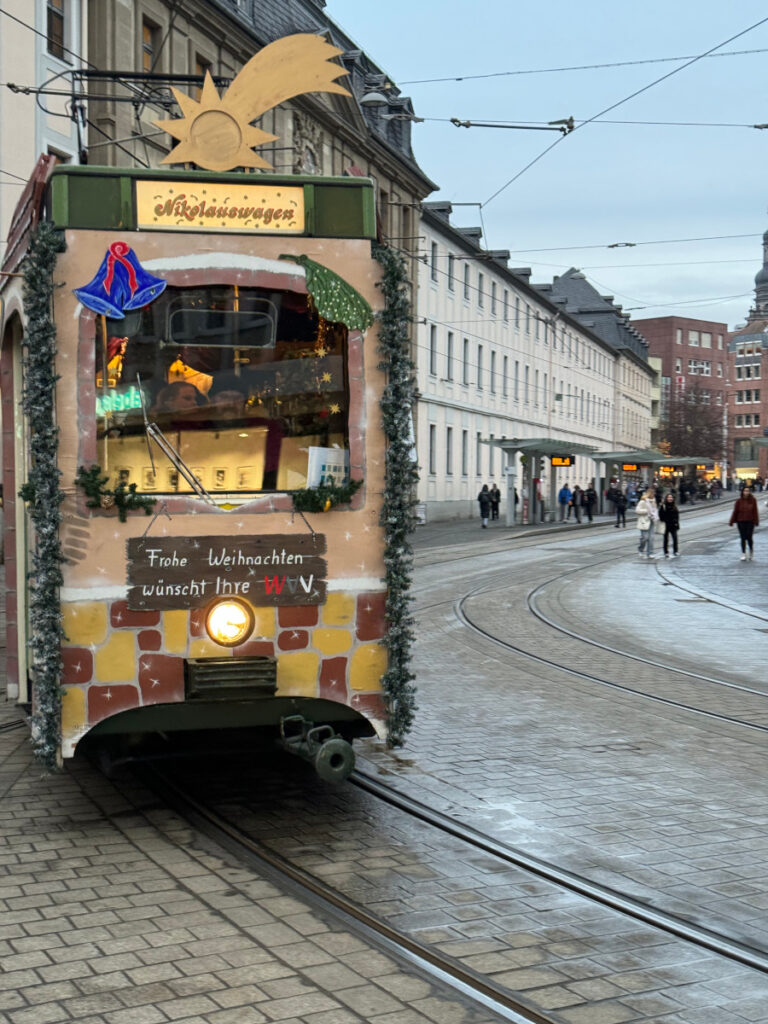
(190, 572)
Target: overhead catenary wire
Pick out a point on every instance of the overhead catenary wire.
(573, 67)
(618, 103)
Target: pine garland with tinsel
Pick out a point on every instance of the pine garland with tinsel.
(124, 497)
(398, 511)
(334, 298)
(43, 492)
(325, 496)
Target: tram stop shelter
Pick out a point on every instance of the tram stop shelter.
(622, 463)
(560, 452)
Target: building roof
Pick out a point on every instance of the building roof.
(573, 293)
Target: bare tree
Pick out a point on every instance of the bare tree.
(692, 426)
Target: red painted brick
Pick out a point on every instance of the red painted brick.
(371, 623)
(370, 704)
(121, 615)
(78, 665)
(150, 640)
(333, 679)
(104, 701)
(255, 648)
(161, 678)
(300, 615)
(293, 640)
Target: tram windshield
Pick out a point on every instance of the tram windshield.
(248, 385)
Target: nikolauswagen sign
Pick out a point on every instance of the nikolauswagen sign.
(207, 206)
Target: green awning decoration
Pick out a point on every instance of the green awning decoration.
(335, 299)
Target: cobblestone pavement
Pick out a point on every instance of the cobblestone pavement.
(591, 779)
(113, 916)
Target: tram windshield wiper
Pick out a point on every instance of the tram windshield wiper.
(155, 433)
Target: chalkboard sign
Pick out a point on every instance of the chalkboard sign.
(190, 572)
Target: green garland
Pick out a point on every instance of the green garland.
(335, 299)
(43, 493)
(324, 496)
(124, 497)
(397, 514)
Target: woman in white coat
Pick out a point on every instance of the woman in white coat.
(647, 515)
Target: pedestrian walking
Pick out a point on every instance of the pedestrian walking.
(564, 500)
(620, 504)
(589, 499)
(577, 498)
(647, 515)
(746, 517)
(484, 500)
(669, 514)
(495, 494)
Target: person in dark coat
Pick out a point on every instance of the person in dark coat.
(589, 500)
(746, 517)
(495, 494)
(669, 514)
(484, 500)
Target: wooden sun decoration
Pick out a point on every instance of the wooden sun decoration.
(216, 132)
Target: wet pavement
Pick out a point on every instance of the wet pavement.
(108, 916)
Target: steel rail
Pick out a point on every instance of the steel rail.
(446, 970)
(699, 935)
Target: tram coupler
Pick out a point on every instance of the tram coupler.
(331, 756)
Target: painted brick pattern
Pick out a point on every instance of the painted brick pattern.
(118, 659)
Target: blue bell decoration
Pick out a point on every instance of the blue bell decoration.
(120, 284)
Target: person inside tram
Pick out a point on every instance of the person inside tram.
(178, 397)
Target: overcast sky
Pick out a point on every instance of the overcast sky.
(605, 183)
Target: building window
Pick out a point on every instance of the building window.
(466, 282)
(491, 453)
(693, 339)
(536, 387)
(719, 398)
(493, 373)
(506, 306)
(705, 397)
(756, 395)
(493, 298)
(449, 357)
(432, 449)
(449, 451)
(464, 452)
(149, 45)
(720, 341)
(706, 339)
(202, 66)
(739, 421)
(505, 376)
(465, 364)
(719, 369)
(756, 419)
(748, 395)
(433, 262)
(479, 453)
(55, 34)
(538, 326)
(739, 397)
(479, 367)
(480, 286)
(516, 394)
(451, 270)
(679, 336)
(517, 311)
(526, 383)
(527, 319)
(678, 366)
(433, 351)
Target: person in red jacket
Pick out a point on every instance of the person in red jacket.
(746, 517)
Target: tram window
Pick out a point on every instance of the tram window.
(243, 382)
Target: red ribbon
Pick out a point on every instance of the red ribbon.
(117, 254)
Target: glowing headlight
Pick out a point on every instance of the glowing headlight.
(229, 622)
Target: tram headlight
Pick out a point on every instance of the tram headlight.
(229, 622)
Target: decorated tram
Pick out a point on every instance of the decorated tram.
(207, 485)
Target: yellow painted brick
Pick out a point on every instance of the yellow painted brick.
(115, 662)
(204, 648)
(297, 674)
(265, 622)
(72, 711)
(85, 622)
(176, 631)
(368, 665)
(331, 641)
(339, 610)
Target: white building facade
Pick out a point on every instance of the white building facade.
(495, 360)
(41, 42)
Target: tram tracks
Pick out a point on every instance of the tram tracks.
(490, 994)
